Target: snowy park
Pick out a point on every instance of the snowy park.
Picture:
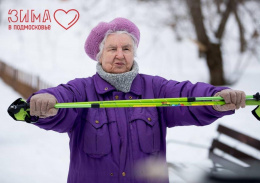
(30, 154)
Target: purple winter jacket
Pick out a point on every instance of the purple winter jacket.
(106, 144)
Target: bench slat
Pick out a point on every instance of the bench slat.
(234, 152)
(226, 164)
(239, 136)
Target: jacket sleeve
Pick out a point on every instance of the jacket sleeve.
(64, 120)
(184, 116)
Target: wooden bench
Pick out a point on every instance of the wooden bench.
(227, 157)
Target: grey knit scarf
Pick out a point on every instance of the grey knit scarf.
(121, 82)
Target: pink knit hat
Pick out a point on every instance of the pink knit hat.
(98, 33)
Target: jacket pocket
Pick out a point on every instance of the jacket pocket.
(148, 128)
(97, 141)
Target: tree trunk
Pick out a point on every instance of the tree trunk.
(212, 52)
(215, 64)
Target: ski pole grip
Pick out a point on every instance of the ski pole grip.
(19, 110)
(256, 96)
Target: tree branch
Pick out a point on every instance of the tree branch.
(224, 19)
(218, 3)
(241, 31)
(197, 18)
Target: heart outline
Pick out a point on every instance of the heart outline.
(76, 17)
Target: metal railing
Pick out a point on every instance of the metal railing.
(20, 81)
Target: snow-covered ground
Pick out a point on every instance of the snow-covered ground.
(29, 154)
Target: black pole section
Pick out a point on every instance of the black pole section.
(257, 96)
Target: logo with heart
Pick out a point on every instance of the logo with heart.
(66, 19)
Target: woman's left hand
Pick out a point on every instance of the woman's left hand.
(234, 100)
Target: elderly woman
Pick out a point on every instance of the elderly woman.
(106, 145)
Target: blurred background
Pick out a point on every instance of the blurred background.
(212, 41)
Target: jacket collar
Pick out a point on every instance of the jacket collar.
(103, 87)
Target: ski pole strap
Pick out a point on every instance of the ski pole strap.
(256, 112)
(19, 110)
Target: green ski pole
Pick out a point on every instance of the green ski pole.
(19, 109)
(139, 103)
(160, 102)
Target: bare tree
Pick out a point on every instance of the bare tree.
(212, 50)
(210, 47)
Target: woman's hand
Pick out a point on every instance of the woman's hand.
(234, 100)
(42, 105)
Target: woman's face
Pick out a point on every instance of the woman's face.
(118, 54)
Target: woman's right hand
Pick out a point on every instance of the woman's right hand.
(42, 105)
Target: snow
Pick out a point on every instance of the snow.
(30, 154)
